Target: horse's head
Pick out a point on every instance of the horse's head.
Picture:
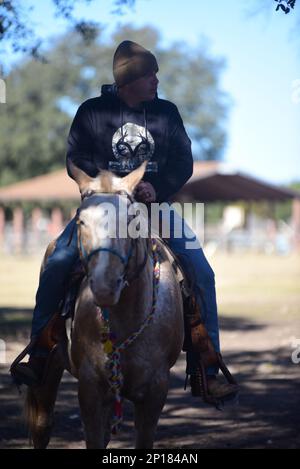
(105, 251)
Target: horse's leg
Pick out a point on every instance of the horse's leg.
(39, 405)
(95, 409)
(147, 411)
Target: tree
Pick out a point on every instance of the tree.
(42, 98)
(285, 5)
(15, 18)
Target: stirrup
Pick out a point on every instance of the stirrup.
(203, 385)
(14, 374)
(18, 359)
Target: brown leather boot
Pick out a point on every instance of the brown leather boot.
(217, 389)
(199, 343)
(221, 390)
(30, 373)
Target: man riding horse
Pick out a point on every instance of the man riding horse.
(125, 126)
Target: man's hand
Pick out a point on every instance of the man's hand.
(145, 192)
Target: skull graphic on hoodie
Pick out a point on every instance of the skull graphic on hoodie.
(132, 144)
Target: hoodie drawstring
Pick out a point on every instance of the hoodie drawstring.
(122, 121)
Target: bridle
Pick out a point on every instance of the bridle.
(125, 260)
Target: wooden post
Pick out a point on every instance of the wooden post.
(296, 224)
(36, 216)
(18, 229)
(2, 228)
(56, 224)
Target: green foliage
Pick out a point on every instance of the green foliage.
(283, 210)
(42, 98)
(15, 19)
(295, 185)
(32, 127)
(214, 212)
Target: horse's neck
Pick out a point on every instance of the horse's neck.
(136, 299)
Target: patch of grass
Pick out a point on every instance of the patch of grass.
(15, 322)
(18, 280)
(258, 286)
(250, 285)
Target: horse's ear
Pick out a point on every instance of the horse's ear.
(83, 180)
(129, 183)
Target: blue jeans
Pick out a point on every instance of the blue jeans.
(60, 263)
(54, 277)
(202, 276)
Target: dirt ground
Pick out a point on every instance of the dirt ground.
(259, 322)
(267, 416)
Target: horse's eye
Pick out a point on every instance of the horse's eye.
(82, 222)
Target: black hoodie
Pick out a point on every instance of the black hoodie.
(107, 134)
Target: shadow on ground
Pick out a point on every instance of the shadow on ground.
(15, 322)
(268, 415)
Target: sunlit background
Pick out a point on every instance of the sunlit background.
(233, 70)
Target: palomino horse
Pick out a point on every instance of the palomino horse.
(142, 313)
